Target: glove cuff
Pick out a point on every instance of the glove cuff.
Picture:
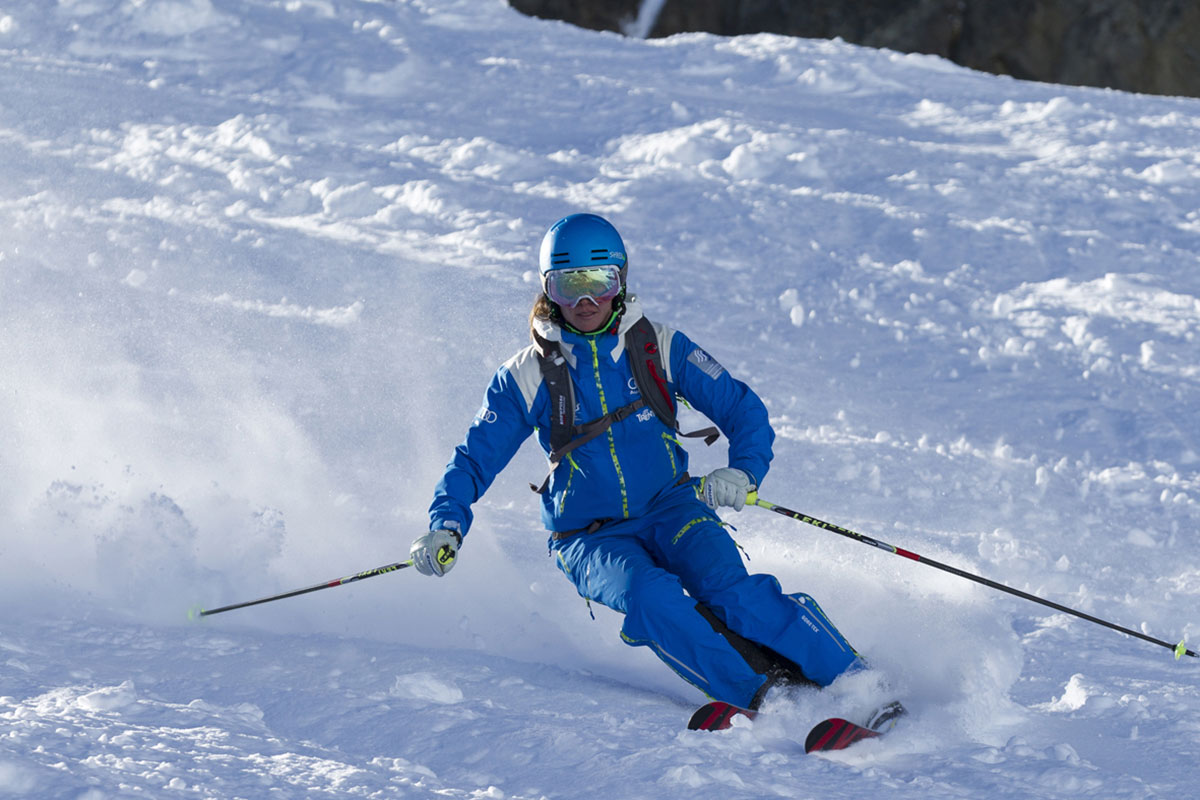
(449, 526)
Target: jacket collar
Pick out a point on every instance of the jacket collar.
(568, 340)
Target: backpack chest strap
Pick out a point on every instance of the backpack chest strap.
(585, 433)
(646, 364)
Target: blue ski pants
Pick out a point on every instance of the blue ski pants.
(654, 570)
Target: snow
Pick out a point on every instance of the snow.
(259, 259)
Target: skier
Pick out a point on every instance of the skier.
(628, 526)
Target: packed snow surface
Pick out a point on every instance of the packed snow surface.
(259, 258)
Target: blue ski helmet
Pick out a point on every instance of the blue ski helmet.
(581, 240)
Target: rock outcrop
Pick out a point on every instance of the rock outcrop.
(1132, 45)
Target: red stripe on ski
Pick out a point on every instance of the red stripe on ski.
(836, 734)
(716, 716)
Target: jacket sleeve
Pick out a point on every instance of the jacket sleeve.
(732, 405)
(503, 423)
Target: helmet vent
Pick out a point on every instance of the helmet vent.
(581, 240)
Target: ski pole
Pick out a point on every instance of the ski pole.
(752, 498)
(196, 613)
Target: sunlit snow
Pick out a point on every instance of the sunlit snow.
(258, 260)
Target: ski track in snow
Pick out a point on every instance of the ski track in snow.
(260, 259)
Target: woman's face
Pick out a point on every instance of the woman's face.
(587, 316)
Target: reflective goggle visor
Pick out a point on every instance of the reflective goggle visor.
(568, 287)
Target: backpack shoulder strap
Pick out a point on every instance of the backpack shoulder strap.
(565, 434)
(646, 363)
(557, 378)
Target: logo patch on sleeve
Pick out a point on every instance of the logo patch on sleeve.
(706, 363)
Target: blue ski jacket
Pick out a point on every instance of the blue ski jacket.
(622, 473)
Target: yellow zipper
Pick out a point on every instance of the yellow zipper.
(668, 440)
(571, 467)
(687, 527)
(612, 441)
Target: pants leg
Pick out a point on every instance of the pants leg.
(698, 549)
(615, 568)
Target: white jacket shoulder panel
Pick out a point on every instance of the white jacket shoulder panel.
(666, 336)
(526, 373)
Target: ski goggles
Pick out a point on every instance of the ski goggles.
(568, 287)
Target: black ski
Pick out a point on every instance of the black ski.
(830, 734)
(717, 716)
(838, 734)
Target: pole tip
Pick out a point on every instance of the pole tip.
(195, 613)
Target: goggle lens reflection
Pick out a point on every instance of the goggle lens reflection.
(568, 287)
